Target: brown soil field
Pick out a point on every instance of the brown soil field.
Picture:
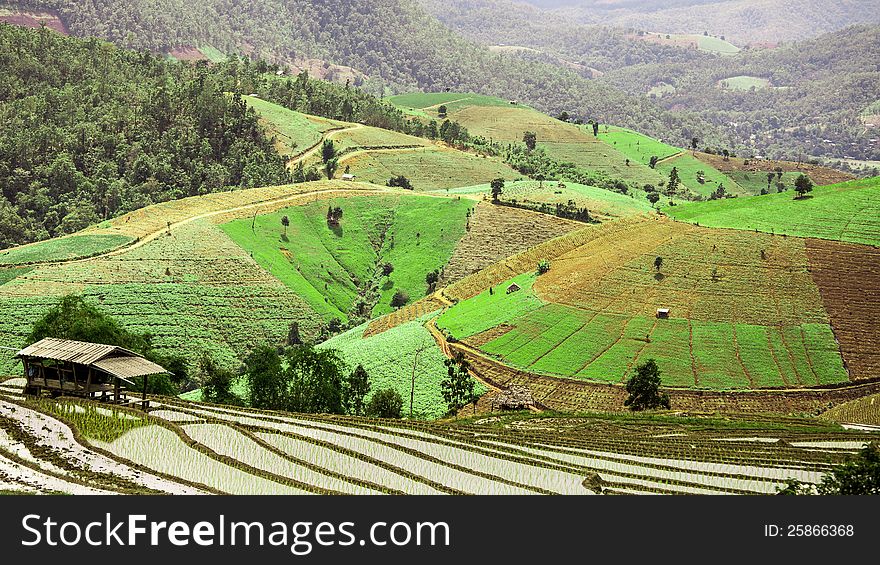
(187, 53)
(708, 275)
(570, 395)
(495, 232)
(820, 175)
(848, 277)
(35, 20)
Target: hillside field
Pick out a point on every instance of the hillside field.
(330, 267)
(844, 212)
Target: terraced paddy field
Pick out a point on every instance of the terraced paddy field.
(183, 279)
(745, 311)
(332, 267)
(183, 447)
(845, 212)
(428, 168)
(602, 204)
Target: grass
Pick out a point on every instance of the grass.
(212, 53)
(688, 166)
(429, 168)
(388, 358)
(485, 311)
(635, 146)
(71, 247)
(753, 182)
(597, 200)
(328, 268)
(845, 212)
(452, 100)
(11, 273)
(743, 83)
(294, 132)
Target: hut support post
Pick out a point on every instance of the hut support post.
(144, 402)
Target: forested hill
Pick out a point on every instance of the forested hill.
(395, 42)
(88, 131)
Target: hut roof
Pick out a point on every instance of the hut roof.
(514, 397)
(111, 359)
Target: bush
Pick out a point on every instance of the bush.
(543, 266)
(386, 403)
(399, 299)
(400, 181)
(860, 475)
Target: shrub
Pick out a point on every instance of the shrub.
(543, 266)
(386, 403)
(399, 299)
(644, 388)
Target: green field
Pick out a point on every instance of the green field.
(716, 45)
(452, 100)
(753, 182)
(596, 200)
(486, 310)
(294, 131)
(328, 267)
(213, 54)
(71, 247)
(388, 358)
(688, 166)
(845, 212)
(635, 146)
(743, 83)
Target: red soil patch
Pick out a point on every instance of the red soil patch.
(820, 175)
(848, 277)
(35, 20)
(187, 54)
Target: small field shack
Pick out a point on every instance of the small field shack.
(88, 370)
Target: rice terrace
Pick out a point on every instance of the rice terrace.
(224, 276)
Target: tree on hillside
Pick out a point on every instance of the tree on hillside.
(285, 221)
(431, 279)
(216, 382)
(644, 388)
(328, 150)
(803, 185)
(387, 269)
(385, 403)
(653, 161)
(658, 263)
(674, 180)
(769, 180)
(400, 181)
(458, 386)
(330, 168)
(653, 197)
(334, 214)
(530, 138)
(357, 389)
(441, 111)
(399, 299)
(596, 128)
(563, 117)
(694, 143)
(293, 335)
(497, 186)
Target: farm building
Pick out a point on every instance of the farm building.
(89, 370)
(513, 288)
(515, 397)
(663, 313)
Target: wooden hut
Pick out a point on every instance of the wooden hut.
(513, 288)
(515, 397)
(663, 313)
(89, 370)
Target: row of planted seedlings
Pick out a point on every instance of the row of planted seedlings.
(59, 463)
(451, 477)
(624, 468)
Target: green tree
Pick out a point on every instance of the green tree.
(328, 150)
(400, 181)
(385, 403)
(216, 382)
(658, 262)
(458, 386)
(285, 221)
(803, 185)
(357, 389)
(330, 168)
(441, 111)
(266, 389)
(399, 299)
(497, 186)
(387, 269)
(674, 180)
(644, 388)
(653, 197)
(530, 138)
(858, 476)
